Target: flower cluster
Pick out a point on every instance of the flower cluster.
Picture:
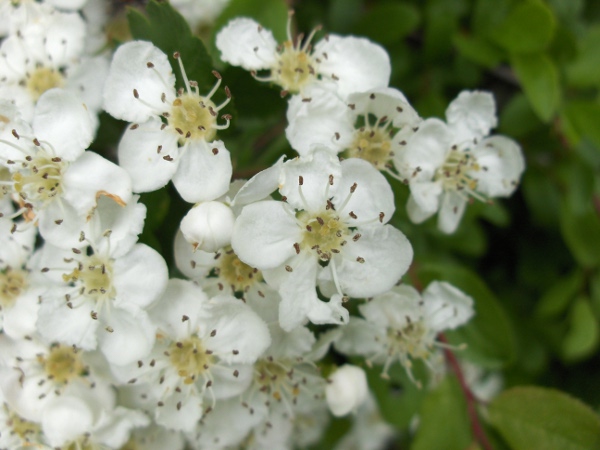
(101, 349)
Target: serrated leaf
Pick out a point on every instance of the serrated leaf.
(582, 338)
(167, 29)
(539, 78)
(388, 22)
(528, 28)
(489, 336)
(444, 423)
(537, 418)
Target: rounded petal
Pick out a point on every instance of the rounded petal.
(502, 164)
(361, 337)
(65, 418)
(374, 263)
(91, 176)
(142, 153)
(445, 306)
(243, 42)
(424, 200)
(264, 234)
(193, 264)
(88, 79)
(204, 171)
(62, 119)
(260, 186)
(64, 38)
(385, 102)
(471, 115)
(356, 64)
(130, 70)
(451, 211)
(130, 339)
(208, 226)
(346, 389)
(61, 225)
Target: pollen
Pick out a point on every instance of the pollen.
(43, 79)
(94, 274)
(190, 358)
(63, 364)
(373, 145)
(193, 117)
(456, 172)
(40, 179)
(295, 68)
(324, 233)
(235, 273)
(12, 283)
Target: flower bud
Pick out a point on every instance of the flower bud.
(347, 390)
(208, 226)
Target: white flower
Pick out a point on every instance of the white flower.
(208, 226)
(402, 325)
(141, 88)
(334, 213)
(447, 165)
(347, 389)
(199, 13)
(343, 64)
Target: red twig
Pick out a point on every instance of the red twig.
(470, 398)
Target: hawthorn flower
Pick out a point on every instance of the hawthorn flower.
(335, 215)
(449, 164)
(342, 64)
(173, 134)
(347, 389)
(402, 325)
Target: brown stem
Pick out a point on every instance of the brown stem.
(470, 398)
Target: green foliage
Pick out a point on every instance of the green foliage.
(532, 417)
(388, 22)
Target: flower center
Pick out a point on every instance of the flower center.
(190, 358)
(40, 178)
(12, 283)
(295, 68)
(237, 274)
(324, 233)
(372, 145)
(276, 378)
(43, 79)
(95, 276)
(22, 428)
(62, 364)
(455, 172)
(193, 117)
(410, 340)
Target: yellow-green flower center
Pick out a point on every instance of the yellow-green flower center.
(24, 429)
(295, 68)
(235, 273)
(193, 117)
(43, 79)
(276, 379)
(373, 145)
(63, 364)
(12, 283)
(95, 275)
(456, 171)
(190, 358)
(324, 233)
(410, 340)
(40, 177)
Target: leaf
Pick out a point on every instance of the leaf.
(167, 29)
(538, 418)
(585, 70)
(517, 118)
(388, 22)
(478, 50)
(489, 336)
(539, 78)
(581, 230)
(584, 117)
(557, 298)
(528, 28)
(582, 338)
(444, 423)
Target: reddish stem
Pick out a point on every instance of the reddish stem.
(470, 398)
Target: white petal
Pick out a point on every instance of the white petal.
(325, 120)
(502, 164)
(387, 255)
(264, 234)
(64, 38)
(360, 337)
(66, 418)
(139, 155)
(314, 170)
(129, 70)
(183, 417)
(358, 63)
(393, 309)
(114, 426)
(60, 225)
(424, 151)
(471, 115)
(131, 338)
(140, 277)
(426, 196)
(445, 306)
(88, 79)
(20, 319)
(415, 212)
(346, 389)
(91, 176)
(385, 102)
(193, 264)
(63, 120)
(204, 171)
(451, 211)
(243, 42)
(208, 226)
(260, 186)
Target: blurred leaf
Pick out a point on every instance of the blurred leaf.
(167, 29)
(478, 50)
(537, 418)
(542, 196)
(441, 23)
(528, 28)
(489, 336)
(517, 118)
(584, 117)
(557, 298)
(344, 14)
(539, 77)
(488, 14)
(582, 338)
(388, 22)
(443, 420)
(585, 70)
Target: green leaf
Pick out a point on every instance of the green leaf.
(517, 118)
(585, 70)
(537, 418)
(444, 423)
(582, 338)
(388, 22)
(478, 50)
(167, 29)
(556, 300)
(528, 28)
(584, 117)
(489, 336)
(344, 14)
(581, 231)
(539, 78)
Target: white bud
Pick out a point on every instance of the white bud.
(347, 390)
(208, 226)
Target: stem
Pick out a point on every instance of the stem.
(470, 398)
